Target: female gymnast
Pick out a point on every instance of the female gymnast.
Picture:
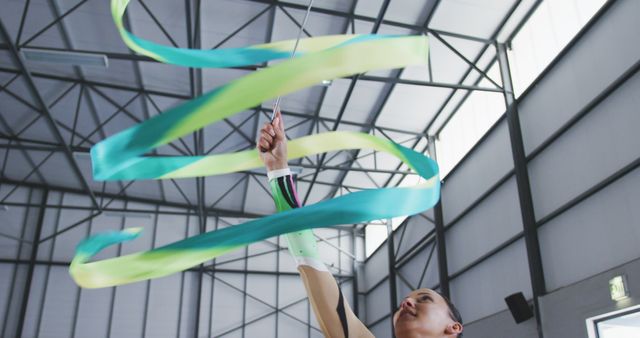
(423, 312)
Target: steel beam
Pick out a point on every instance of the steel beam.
(57, 20)
(429, 83)
(34, 253)
(23, 20)
(7, 311)
(536, 272)
(98, 84)
(393, 290)
(47, 114)
(194, 41)
(443, 268)
(211, 212)
(354, 270)
(426, 266)
(352, 16)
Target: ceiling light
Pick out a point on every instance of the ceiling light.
(618, 288)
(65, 57)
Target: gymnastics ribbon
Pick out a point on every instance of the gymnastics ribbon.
(122, 156)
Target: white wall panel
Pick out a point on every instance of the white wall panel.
(597, 234)
(6, 278)
(299, 311)
(291, 290)
(206, 302)
(263, 261)
(413, 269)
(597, 146)
(19, 223)
(128, 310)
(328, 252)
(148, 222)
(187, 313)
(93, 309)
(376, 267)
(402, 290)
(262, 287)
(565, 310)
(255, 311)
(287, 262)
(603, 54)
(233, 259)
(287, 327)
(171, 228)
(227, 307)
(49, 226)
(316, 334)
(65, 243)
(36, 298)
(264, 327)
(382, 329)
(58, 307)
(14, 300)
(502, 325)
(347, 292)
(488, 225)
(345, 242)
(314, 320)
(484, 167)
(417, 227)
(163, 306)
(234, 334)
(378, 302)
(480, 291)
(13, 220)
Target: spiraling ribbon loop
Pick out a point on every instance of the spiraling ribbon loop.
(123, 155)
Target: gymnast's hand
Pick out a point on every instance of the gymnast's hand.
(272, 144)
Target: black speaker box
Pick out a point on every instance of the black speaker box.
(519, 307)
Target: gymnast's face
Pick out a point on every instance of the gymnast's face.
(424, 313)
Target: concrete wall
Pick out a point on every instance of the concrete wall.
(564, 311)
(596, 239)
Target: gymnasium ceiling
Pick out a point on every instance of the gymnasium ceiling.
(51, 118)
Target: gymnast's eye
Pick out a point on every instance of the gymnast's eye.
(424, 298)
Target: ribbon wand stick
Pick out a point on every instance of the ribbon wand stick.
(293, 54)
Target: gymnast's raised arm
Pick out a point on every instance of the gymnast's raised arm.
(331, 309)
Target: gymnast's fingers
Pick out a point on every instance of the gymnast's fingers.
(269, 129)
(279, 126)
(265, 136)
(266, 146)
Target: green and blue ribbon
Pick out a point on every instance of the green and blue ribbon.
(123, 155)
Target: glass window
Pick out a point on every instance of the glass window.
(478, 113)
(623, 325)
(548, 30)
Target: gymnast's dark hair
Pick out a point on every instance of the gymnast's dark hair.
(453, 311)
